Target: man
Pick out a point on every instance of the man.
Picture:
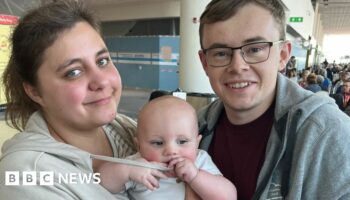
(337, 89)
(291, 64)
(270, 137)
(342, 99)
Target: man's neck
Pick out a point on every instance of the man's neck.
(240, 117)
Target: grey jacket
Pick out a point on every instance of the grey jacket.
(36, 151)
(308, 152)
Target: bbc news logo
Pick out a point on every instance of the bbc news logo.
(48, 177)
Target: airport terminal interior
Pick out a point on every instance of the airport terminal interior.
(276, 127)
(151, 42)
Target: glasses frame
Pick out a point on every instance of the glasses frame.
(242, 53)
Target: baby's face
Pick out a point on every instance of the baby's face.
(162, 142)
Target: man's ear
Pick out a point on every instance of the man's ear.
(285, 54)
(33, 93)
(203, 60)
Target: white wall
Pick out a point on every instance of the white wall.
(301, 8)
(156, 9)
(171, 8)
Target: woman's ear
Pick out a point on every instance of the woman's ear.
(33, 93)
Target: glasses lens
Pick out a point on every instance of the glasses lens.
(219, 57)
(258, 52)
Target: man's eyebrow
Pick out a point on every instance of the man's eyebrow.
(217, 45)
(247, 41)
(254, 39)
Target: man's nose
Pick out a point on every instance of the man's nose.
(237, 62)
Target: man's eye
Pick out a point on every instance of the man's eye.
(73, 73)
(221, 54)
(255, 49)
(103, 62)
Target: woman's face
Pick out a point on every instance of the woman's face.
(78, 85)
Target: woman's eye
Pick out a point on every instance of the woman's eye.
(73, 73)
(103, 62)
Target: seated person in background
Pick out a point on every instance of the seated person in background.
(342, 99)
(337, 89)
(320, 81)
(326, 85)
(293, 75)
(303, 82)
(312, 84)
(167, 133)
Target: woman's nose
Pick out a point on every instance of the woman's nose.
(98, 79)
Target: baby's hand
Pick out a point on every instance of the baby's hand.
(184, 169)
(146, 176)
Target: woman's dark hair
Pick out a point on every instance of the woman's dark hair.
(35, 33)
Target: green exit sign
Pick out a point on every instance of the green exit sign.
(296, 19)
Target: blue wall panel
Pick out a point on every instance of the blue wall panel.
(135, 76)
(146, 62)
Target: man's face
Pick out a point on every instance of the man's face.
(346, 87)
(247, 90)
(345, 76)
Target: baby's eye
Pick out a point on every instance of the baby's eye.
(157, 143)
(73, 73)
(182, 141)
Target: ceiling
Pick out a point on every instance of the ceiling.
(335, 14)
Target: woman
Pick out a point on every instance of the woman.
(63, 92)
(312, 84)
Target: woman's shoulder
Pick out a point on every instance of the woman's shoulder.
(19, 161)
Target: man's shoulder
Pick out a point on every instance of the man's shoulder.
(329, 118)
(210, 109)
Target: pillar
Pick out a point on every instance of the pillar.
(192, 77)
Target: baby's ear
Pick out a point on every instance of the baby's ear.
(199, 137)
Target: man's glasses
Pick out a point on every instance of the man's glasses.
(251, 53)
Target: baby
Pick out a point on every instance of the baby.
(167, 134)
